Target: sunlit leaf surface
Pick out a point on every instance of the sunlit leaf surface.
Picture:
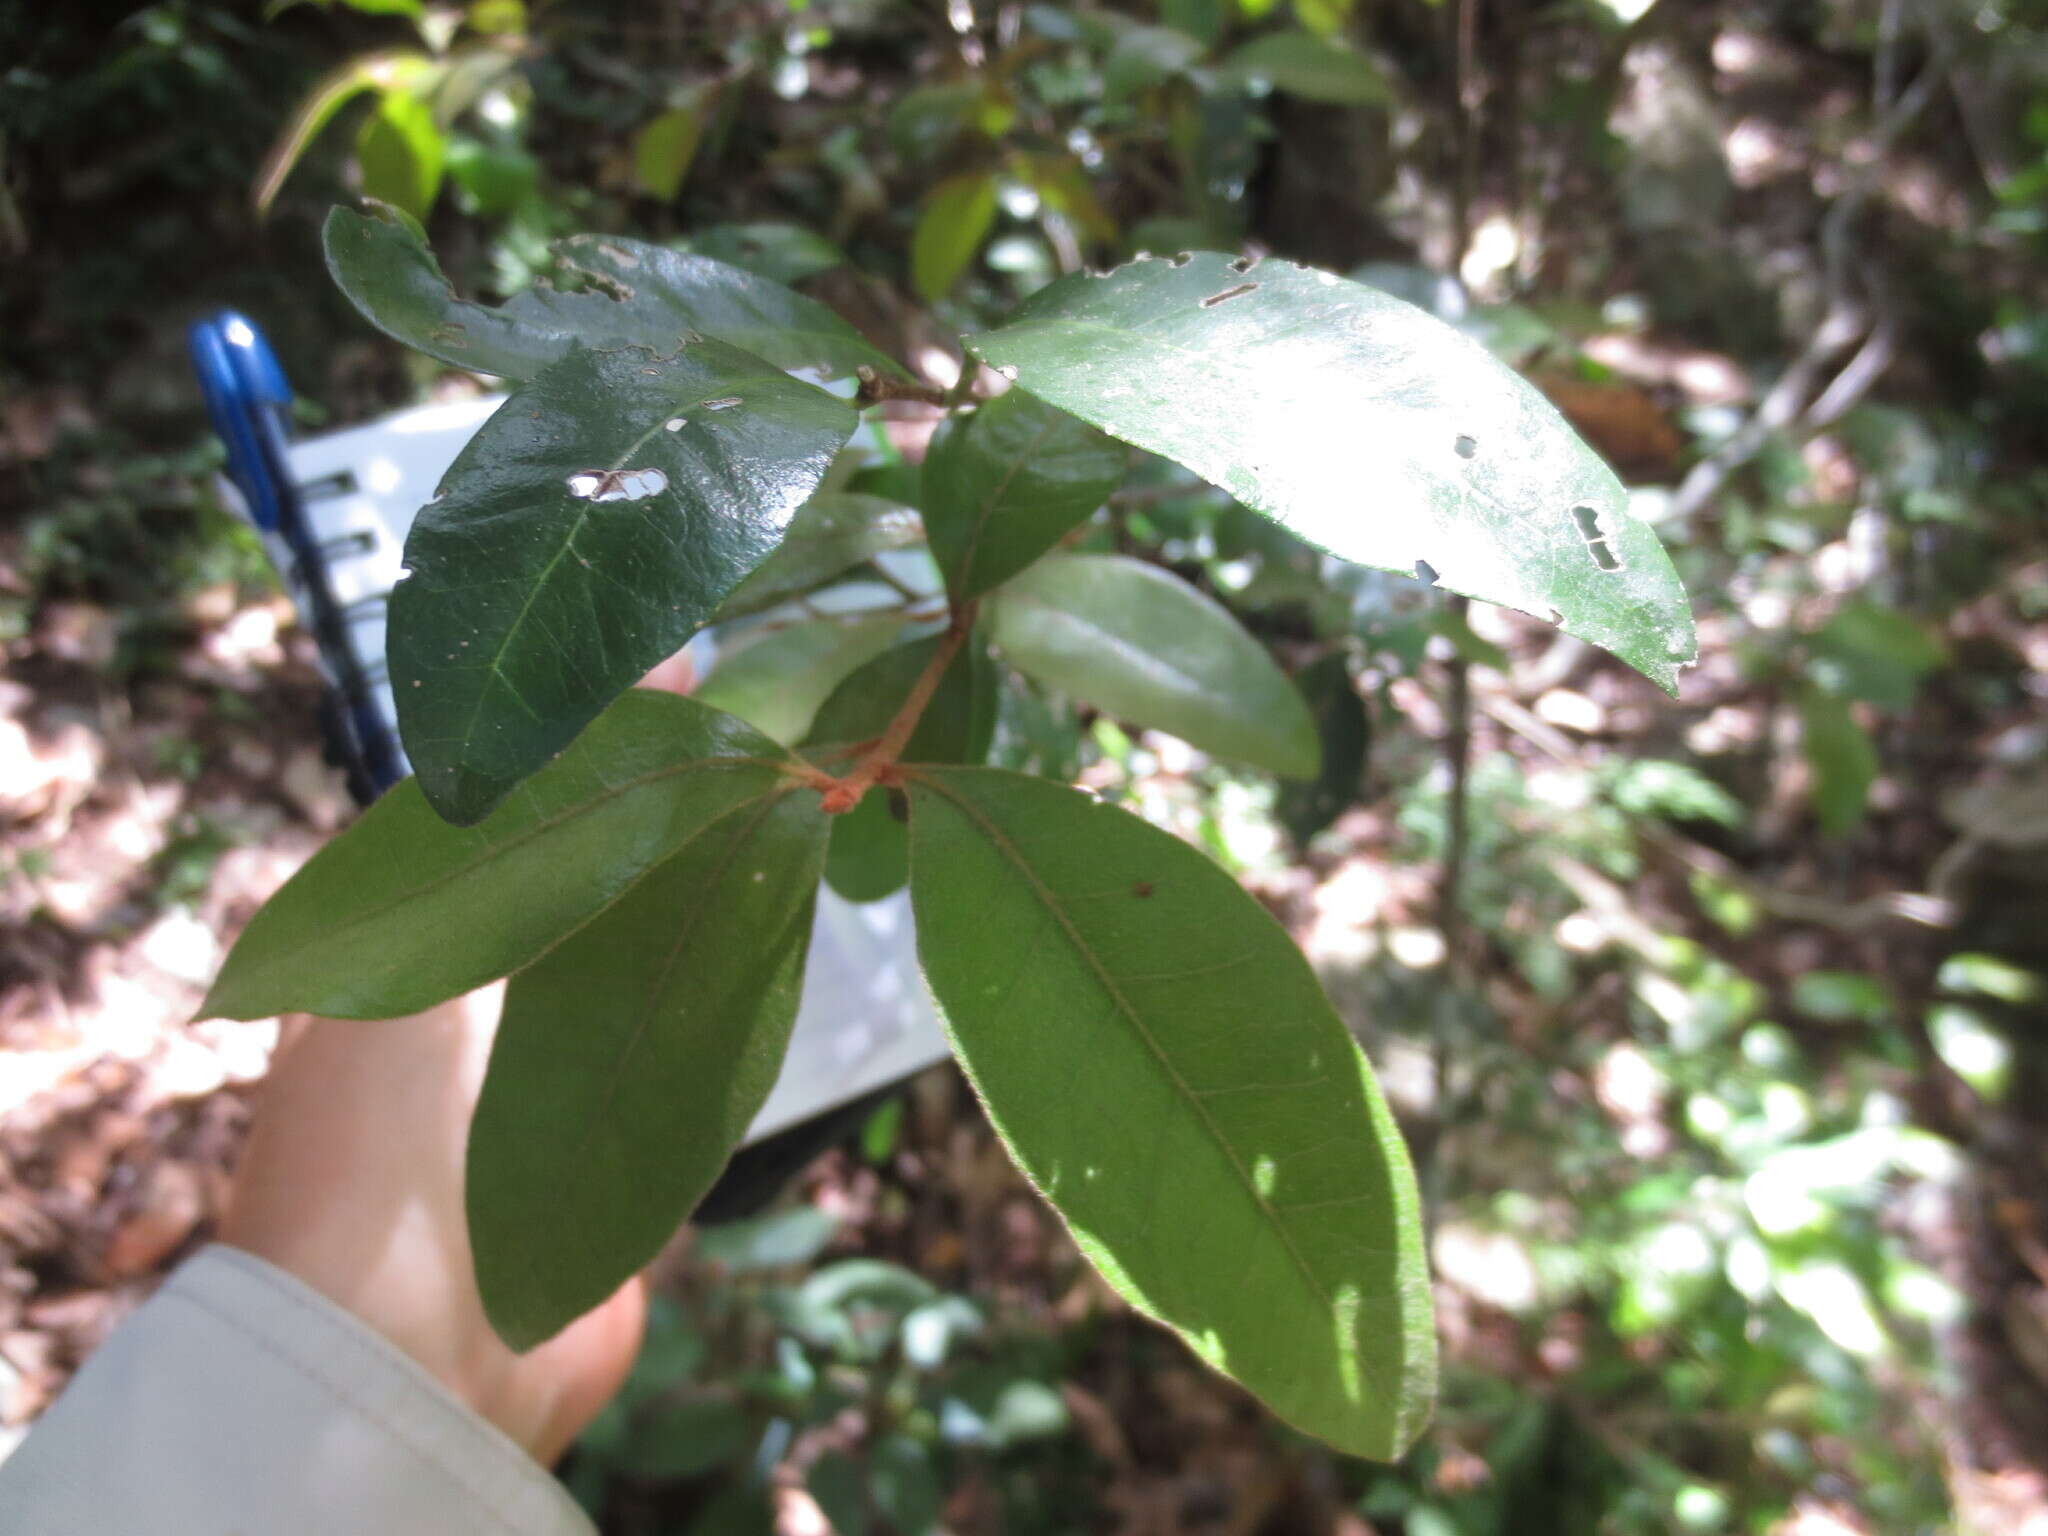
(1366, 426)
(1163, 1065)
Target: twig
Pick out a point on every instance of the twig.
(843, 794)
(877, 386)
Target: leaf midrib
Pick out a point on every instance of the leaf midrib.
(494, 666)
(569, 1175)
(1003, 845)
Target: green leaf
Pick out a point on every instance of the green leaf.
(778, 1240)
(777, 681)
(957, 723)
(1841, 758)
(783, 253)
(1364, 425)
(831, 534)
(332, 92)
(1003, 485)
(925, 121)
(1873, 653)
(494, 181)
(403, 911)
(906, 1490)
(686, 1439)
(1345, 731)
(840, 1487)
(632, 294)
(402, 154)
(1202, 20)
(1145, 646)
(1145, 57)
(958, 214)
(1164, 1067)
(631, 1059)
(581, 537)
(1305, 65)
(870, 853)
(663, 149)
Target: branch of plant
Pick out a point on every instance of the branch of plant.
(876, 386)
(877, 764)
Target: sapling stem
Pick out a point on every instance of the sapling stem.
(877, 764)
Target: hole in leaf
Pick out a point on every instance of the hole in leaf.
(725, 403)
(676, 423)
(1244, 263)
(1181, 260)
(1229, 293)
(617, 484)
(1467, 446)
(1596, 541)
(1424, 571)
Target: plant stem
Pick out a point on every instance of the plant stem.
(877, 386)
(843, 794)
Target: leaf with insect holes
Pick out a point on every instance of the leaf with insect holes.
(630, 1061)
(1161, 1062)
(1143, 645)
(611, 292)
(402, 910)
(1366, 426)
(581, 537)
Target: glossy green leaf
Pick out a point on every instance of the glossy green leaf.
(1841, 758)
(1145, 646)
(1004, 485)
(1364, 425)
(1305, 65)
(783, 253)
(663, 148)
(403, 911)
(581, 537)
(630, 293)
(631, 1059)
(958, 214)
(831, 534)
(402, 154)
(776, 681)
(1162, 1064)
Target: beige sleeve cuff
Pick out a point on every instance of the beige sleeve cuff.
(239, 1400)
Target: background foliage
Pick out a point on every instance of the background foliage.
(1716, 1026)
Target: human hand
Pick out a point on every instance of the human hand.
(352, 1182)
